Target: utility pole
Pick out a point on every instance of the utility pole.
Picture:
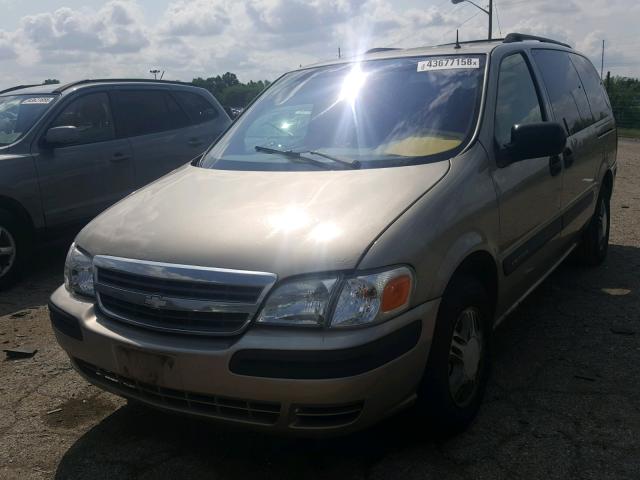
(155, 73)
(602, 64)
(490, 19)
(339, 53)
(488, 12)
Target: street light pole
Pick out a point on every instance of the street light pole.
(488, 12)
(490, 19)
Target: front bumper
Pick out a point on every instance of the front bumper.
(308, 382)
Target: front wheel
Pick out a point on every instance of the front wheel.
(13, 243)
(457, 370)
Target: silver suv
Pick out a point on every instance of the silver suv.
(346, 248)
(67, 152)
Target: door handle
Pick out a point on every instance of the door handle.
(195, 142)
(555, 165)
(568, 157)
(119, 157)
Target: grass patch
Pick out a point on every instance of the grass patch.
(629, 132)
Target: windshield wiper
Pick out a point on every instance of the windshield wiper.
(344, 161)
(299, 156)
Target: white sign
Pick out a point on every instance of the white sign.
(451, 63)
(37, 101)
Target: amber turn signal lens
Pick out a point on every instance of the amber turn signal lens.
(396, 293)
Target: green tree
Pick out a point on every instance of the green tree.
(229, 90)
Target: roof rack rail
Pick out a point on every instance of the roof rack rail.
(471, 42)
(381, 49)
(521, 37)
(20, 87)
(67, 86)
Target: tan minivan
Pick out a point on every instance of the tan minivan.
(346, 248)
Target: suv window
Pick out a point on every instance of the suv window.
(197, 107)
(518, 101)
(593, 86)
(142, 112)
(91, 115)
(565, 90)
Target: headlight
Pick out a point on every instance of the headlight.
(369, 299)
(360, 300)
(78, 272)
(299, 302)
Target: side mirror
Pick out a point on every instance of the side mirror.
(62, 135)
(535, 140)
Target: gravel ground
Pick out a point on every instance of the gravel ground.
(563, 402)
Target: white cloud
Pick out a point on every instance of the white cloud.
(199, 18)
(263, 38)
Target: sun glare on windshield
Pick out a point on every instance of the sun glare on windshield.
(352, 84)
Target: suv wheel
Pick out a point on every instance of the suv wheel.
(457, 370)
(13, 245)
(594, 245)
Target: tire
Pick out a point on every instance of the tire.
(594, 245)
(14, 247)
(449, 410)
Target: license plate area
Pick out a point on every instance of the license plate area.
(145, 367)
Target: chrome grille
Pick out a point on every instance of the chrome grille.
(265, 413)
(178, 298)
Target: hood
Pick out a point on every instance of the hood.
(286, 223)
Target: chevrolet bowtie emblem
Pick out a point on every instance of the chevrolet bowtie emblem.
(155, 301)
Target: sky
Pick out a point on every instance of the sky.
(261, 39)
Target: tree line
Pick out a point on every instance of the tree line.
(624, 93)
(229, 91)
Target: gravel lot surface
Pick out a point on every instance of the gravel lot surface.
(563, 402)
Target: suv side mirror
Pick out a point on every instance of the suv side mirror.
(535, 140)
(62, 135)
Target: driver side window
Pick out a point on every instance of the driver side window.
(518, 101)
(91, 115)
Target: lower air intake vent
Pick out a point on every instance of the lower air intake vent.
(306, 416)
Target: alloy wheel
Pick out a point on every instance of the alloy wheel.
(7, 251)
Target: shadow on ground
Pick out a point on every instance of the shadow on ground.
(44, 275)
(562, 403)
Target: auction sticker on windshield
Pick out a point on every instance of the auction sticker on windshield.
(454, 63)
(37, 101)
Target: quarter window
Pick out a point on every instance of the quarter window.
(143, 112)
(568, 100)
(593, 86)
(91, 115)
(518, 101)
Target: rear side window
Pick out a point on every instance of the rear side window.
(593, 86)
(518, 102)
(198, 108)
(142, 112)
(568, 100)
(91, 115)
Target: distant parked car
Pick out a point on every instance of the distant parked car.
(68, 152)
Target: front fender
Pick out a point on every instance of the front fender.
(458, 217)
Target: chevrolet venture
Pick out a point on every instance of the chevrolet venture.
(346, 248)
(67, 152)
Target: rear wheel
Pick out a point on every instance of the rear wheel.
(594, 244)
(456, 375)
(13, 249)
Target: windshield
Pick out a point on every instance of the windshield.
(373, 114)
(18, 113)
